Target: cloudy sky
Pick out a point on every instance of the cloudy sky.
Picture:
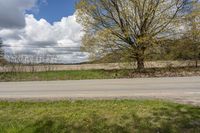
(34, 27)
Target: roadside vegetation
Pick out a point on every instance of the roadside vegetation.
(115, 116)
(99, 74)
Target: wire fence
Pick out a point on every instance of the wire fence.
(49, 54)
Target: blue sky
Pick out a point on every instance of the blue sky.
(27, 27)
(54, 10)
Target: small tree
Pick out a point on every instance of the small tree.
(1, 51)
(192, 35)
(130, 26)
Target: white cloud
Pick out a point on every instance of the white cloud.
(62, 38)
(23, 34)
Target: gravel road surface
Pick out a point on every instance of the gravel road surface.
(182, 89)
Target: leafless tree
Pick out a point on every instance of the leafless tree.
(128, 26)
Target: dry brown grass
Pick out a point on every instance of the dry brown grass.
(104, 66)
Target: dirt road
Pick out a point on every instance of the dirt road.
(184, 90)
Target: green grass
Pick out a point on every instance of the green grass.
(117, 116)
(63, 75)
(98, 74)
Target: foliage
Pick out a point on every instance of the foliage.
(192, 36)
(131, 26)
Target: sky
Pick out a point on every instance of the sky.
(54, 10)
(36, 27)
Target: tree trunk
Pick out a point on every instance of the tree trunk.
(140, 60)
(140, 63)
(196, 63)
(196, 56)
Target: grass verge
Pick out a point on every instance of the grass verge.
(117, 116)
(99, 74)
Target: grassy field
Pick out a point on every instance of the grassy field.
(117, 116)
(91, 66)
(98, 74)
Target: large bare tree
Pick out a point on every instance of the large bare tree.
(131, 26)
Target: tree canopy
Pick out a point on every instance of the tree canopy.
(131, 26)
